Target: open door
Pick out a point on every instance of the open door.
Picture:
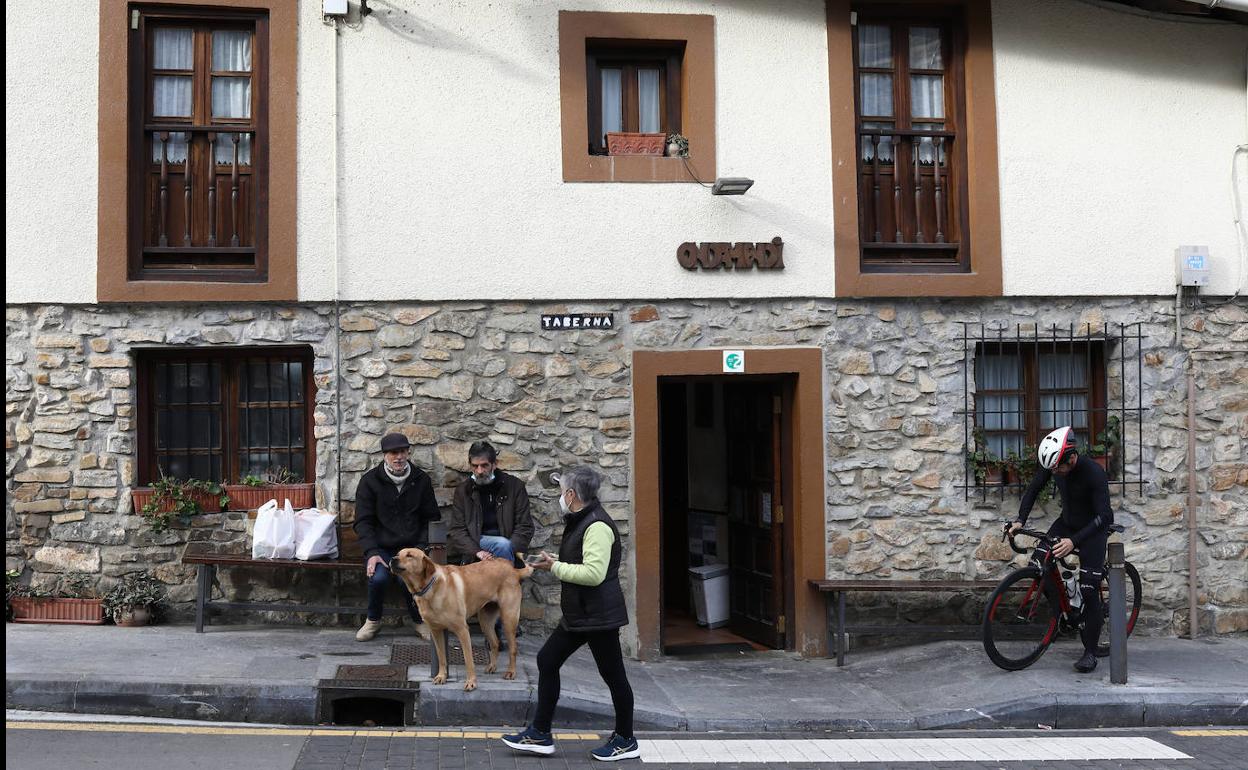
(755, 511)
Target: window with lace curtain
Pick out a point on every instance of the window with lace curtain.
(199, 151)
(634, 89)
(1023, 390)
(908, 72)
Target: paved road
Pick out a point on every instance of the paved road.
(38, 742)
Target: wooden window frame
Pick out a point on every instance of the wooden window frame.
(203, 22)
(982, 277)
(909, 257)
(119, 113)
(1029, 355)
(666, 56)
(145, 361)
(577, 31)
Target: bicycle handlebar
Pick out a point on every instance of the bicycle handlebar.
(1044, 537)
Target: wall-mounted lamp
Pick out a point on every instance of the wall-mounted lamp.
(731, 185)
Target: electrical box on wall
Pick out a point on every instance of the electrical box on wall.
(1193, 265)
(334, 7)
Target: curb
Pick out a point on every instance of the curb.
(451, 706)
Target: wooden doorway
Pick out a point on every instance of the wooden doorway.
(723, 489)
(802, 453)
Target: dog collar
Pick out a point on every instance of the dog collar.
(428, 585)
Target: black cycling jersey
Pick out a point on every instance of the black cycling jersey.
(1085, 498)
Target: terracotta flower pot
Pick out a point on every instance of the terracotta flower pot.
(624, 143)
(27, 609)
(208, 503)
(134, 617)
(247, 498)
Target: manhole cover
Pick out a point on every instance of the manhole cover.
(372, 674)
(422, 655)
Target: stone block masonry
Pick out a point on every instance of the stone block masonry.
(448, 374)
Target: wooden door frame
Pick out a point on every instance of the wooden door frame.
(805, 517)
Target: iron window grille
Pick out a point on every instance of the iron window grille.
(1020, 383)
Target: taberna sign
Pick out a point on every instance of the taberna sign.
(732, 256)
(578, 321)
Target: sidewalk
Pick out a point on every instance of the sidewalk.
(270, 674)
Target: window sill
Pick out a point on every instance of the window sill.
(634, 168)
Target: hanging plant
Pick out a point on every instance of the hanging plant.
(179, 499)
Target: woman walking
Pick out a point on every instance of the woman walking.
(593, 614)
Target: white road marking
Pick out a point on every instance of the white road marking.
(1013, 749)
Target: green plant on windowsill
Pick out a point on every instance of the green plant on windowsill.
(1024, 466)
(986, 466)
(135, 600)
(677, 146)
(178, 499)
(1107, 442)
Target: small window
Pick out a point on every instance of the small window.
(1025, 390)
(219, 415)
(634, 89)
(200, 147)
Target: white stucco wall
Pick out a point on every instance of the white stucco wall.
(451, 169)
(1115, 135)
(1115, 138)
(51, 152)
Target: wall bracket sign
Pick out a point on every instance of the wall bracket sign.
(732, 256)
(562, 321)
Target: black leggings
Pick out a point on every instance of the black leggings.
(605, 647)
(1091, 573)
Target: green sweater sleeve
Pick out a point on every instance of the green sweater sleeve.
(595, 553)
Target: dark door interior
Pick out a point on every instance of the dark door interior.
(755, 512)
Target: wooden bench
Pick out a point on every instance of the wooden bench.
(835, 591)
(209, 557)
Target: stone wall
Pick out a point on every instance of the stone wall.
(449, 374)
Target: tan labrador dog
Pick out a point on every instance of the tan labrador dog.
(447, 595)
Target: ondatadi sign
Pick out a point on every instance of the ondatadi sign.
(732, 256)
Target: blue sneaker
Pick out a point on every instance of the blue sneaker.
(617, 748)
(532, 740)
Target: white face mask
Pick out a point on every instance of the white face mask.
(563, 502)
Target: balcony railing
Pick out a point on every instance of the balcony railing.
(908, 196)
(201, 195)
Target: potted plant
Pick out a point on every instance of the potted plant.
(627, 143)
(73, 601)
(987, 468)
(135, 600)
(172, 498)
(1104, 451)
(677, 146)
(253, 491)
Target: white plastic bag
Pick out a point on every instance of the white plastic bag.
(274, 536)
(315, 534)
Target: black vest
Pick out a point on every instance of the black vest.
(591, 608)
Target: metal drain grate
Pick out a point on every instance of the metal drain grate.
(421, 655)
(372, 675)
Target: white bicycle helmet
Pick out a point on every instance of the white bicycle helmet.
(1055, 446)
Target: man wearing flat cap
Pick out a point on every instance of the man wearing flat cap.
(394, 504)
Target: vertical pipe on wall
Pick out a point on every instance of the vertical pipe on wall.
(1193, 626)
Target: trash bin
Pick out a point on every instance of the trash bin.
(709, 586)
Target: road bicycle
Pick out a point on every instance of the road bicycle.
(1032, 605)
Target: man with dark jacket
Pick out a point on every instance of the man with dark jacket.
(490, 514)
(394, 504)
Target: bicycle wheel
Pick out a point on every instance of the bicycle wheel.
(1133, 607)
(1020, 620)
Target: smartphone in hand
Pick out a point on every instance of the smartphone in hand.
(533, 558)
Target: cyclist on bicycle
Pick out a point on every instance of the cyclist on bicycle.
(1084, 524)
